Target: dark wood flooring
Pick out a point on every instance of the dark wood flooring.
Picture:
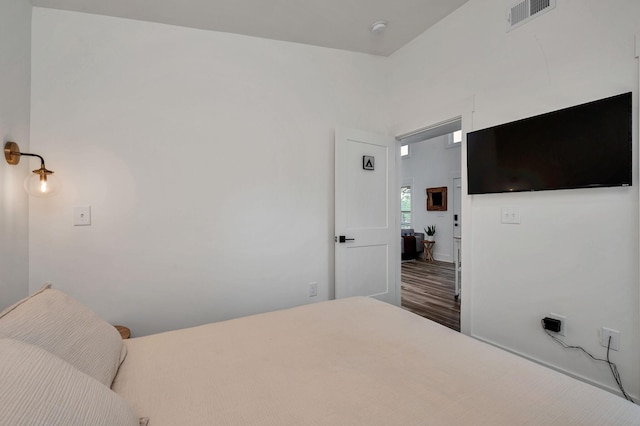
(428, 289)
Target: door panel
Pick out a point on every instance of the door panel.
(367, 271)
(366, 204)
(365, 215)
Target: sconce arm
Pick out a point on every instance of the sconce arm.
(30, 155)
(12, 154)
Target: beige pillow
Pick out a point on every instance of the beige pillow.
(63, 326)
(40, 388)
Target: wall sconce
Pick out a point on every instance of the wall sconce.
(40, 182)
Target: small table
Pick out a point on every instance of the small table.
(125, 333)
(428, 250)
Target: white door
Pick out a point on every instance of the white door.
(457, 201)
(457, 230)
(367, 241)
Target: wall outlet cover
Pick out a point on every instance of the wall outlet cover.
(605, 333)
(313, 289)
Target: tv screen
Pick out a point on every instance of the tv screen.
(584, 146)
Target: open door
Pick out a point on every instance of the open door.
(367, 241)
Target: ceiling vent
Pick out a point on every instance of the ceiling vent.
(525, 10)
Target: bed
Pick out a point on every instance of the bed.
(353, 361)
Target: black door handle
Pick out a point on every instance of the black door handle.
(344, 239)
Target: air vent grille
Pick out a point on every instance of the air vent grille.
(539, 6)
(519, 12)
(525, 10)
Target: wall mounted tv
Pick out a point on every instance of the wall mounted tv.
(584, 146)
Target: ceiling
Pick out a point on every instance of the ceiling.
(340, 24)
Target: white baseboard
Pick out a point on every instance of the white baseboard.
(556, 368)
(442, 257)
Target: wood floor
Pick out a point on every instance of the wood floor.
(428, 289)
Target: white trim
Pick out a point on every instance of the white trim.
(462, 110)
(442, 257)
(442, 128)
(408, 182)
(636, 123)
(397, 264)
(556, 368)
(426, 128)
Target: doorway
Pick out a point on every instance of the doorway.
(431, 162)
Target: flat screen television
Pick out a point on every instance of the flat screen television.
(583, 146)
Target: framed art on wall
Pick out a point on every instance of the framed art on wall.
(437, 199)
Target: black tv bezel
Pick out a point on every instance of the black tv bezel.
(629, 174)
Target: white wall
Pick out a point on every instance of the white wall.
(15, 59)
(207, 159)
(576, 251)
(432, 164)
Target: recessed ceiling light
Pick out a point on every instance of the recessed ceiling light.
(378, 27)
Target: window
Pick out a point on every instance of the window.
(404, 151)
(454, 139)
(405, 207)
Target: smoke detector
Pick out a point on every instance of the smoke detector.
(378, 27)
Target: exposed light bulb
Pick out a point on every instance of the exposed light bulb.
(41, 183)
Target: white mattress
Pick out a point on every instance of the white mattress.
(348, 362)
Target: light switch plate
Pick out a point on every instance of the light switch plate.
(510, 215)
(82, 216)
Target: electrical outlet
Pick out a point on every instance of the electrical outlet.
(563, 323)
(615, 338)
(313, 289)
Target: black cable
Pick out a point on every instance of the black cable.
(616, 374)
(612, 366)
